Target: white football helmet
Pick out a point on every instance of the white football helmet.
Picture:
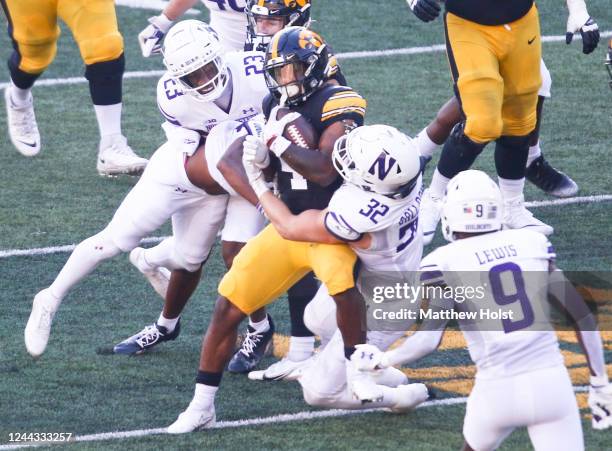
(193, 56)
(378, 158)
(472, 204)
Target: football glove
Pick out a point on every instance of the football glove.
(426, 10)
(600, 402)
(254, 173)
(273, 131)
(150, 38)
(367, 357)
(579, 20)
(255, 150)
(360, 383)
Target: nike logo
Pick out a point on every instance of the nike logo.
(27, 143)
(531, 40)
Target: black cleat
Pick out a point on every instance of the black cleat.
(252, 350)
(146, 339)
(549, 179)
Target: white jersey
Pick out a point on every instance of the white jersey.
(229, 20)
(508, 271)
(392, 224)
(188, 119)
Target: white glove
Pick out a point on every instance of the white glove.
(255, 175)
(600, 402)
(150, 38)
(255, 150)
(361, 383)
(273, 131)
(367, 357)
(579, 20)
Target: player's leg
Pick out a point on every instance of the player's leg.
(539, 171)
(145, 208)
(195, 229)
(94, 26)
(520, 69)
(33, 30)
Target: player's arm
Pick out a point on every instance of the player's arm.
(151, 37)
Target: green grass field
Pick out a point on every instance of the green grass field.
(57, 198)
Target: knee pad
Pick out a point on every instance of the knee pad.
(320, 315)
(459, 152)
(105, 80)
(315, 399)
(390, 377)
(186, 260)
(546, 81)
(101, 49)
(31, 60)
(481, 128)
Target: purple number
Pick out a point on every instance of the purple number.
(253, 68)
(232, 4)
(403, 230)
(171, 91)
(375, 209)
(520, 295)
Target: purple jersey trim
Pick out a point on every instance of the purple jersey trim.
(168, 117)
(342, 238)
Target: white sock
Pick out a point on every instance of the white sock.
(438, 184)
(109, 119)
(260, 326)
(424, 143)
(168, 323)
(534, 152)
(511, 189)
(83, 260)
(300, 348)
(20, 97)
(204, 396)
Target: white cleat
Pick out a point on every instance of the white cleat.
(429, 215)
(158, 277)
(193, 419)
(283, 370)
(411, 395)
(516, 216)
(116, 157)
(22, 126)
(36, 334)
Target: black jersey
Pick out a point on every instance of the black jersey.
(329, 104)
(489, 12)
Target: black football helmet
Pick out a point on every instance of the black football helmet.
(297, 64)
(609, 61)
(262, 13)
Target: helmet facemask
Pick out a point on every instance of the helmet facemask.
(207, 82)
(265, 20)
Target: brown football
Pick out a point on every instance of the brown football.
(300, 132)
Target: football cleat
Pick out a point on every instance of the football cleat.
(193, 419)
(146, 339)
(38, 328)
(411, 395)
(283, 370)
(158, 277)
(550, 180)
(252, 350)
(22, 126)
(429, 215)
(516, 216)
(116, 157)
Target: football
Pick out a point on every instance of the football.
(300, 132)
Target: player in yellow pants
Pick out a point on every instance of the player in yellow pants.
(33, 29)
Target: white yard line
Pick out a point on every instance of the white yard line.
(275, 419)
(342, 56)
(153, 5)
(6, 253)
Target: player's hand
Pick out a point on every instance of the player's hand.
(360, 381)
(579, 20)
(255, 150)
(150, 38)
(600, 402)
(274, 129)
(426, 10)
(609, 61)
(367, 358)
(255, 175)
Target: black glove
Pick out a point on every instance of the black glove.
(426, 10)
(590, 35)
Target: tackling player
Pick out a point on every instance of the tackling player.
(298, 73)
(198, 80)
(376, 212)
(499, 100)
(33, 30)
(521, 379)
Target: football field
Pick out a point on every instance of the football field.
(56, 199)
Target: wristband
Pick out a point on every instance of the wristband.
(599, 381)
(279, 145)
(260, 187)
